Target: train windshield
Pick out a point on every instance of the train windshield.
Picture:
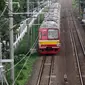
(52, 34)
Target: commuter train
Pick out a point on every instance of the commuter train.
(49, 31)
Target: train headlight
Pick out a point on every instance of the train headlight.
(39, 45)
(58, 45)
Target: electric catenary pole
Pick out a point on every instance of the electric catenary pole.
(28, 7)
(1, 67)
(11, 38)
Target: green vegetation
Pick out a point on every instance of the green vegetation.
(33, 36)
(79, 5)
(75, 4)
(27, 70)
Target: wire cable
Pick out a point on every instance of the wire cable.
(12, 12)
(21, 69)
(13, 26)
(23, 65)
(7, 33)
(23, 57)
(3, 24)
(3, 11)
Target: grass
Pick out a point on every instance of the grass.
(27, 70)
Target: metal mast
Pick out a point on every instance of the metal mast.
(11, 38)
(28, 7)
(1, 67)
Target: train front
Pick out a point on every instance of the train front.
(49, 31)
(49, 41)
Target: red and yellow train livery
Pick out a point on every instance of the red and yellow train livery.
(49, 32)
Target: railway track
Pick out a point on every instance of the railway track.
(46, 70)
(78, 48)
(78, 34)
(67, 51)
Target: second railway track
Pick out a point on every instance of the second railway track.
(78, 49)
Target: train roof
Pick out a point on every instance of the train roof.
(52, 17)
(49, 24)
(55, 13)
(55, 5)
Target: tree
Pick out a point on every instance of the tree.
(2, 5)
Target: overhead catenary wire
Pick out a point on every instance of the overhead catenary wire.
(12, 27)
(6, 2)
(3, 11)
(21, 69)
(24, 56)
(7, 33)
(9, 29)
(2, 20)
(3, 24)
(24, 63)
(13, 16)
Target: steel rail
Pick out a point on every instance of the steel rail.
(76, 53)
(41, 71)
(51, 70)
(42, 68)
(79, 35)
